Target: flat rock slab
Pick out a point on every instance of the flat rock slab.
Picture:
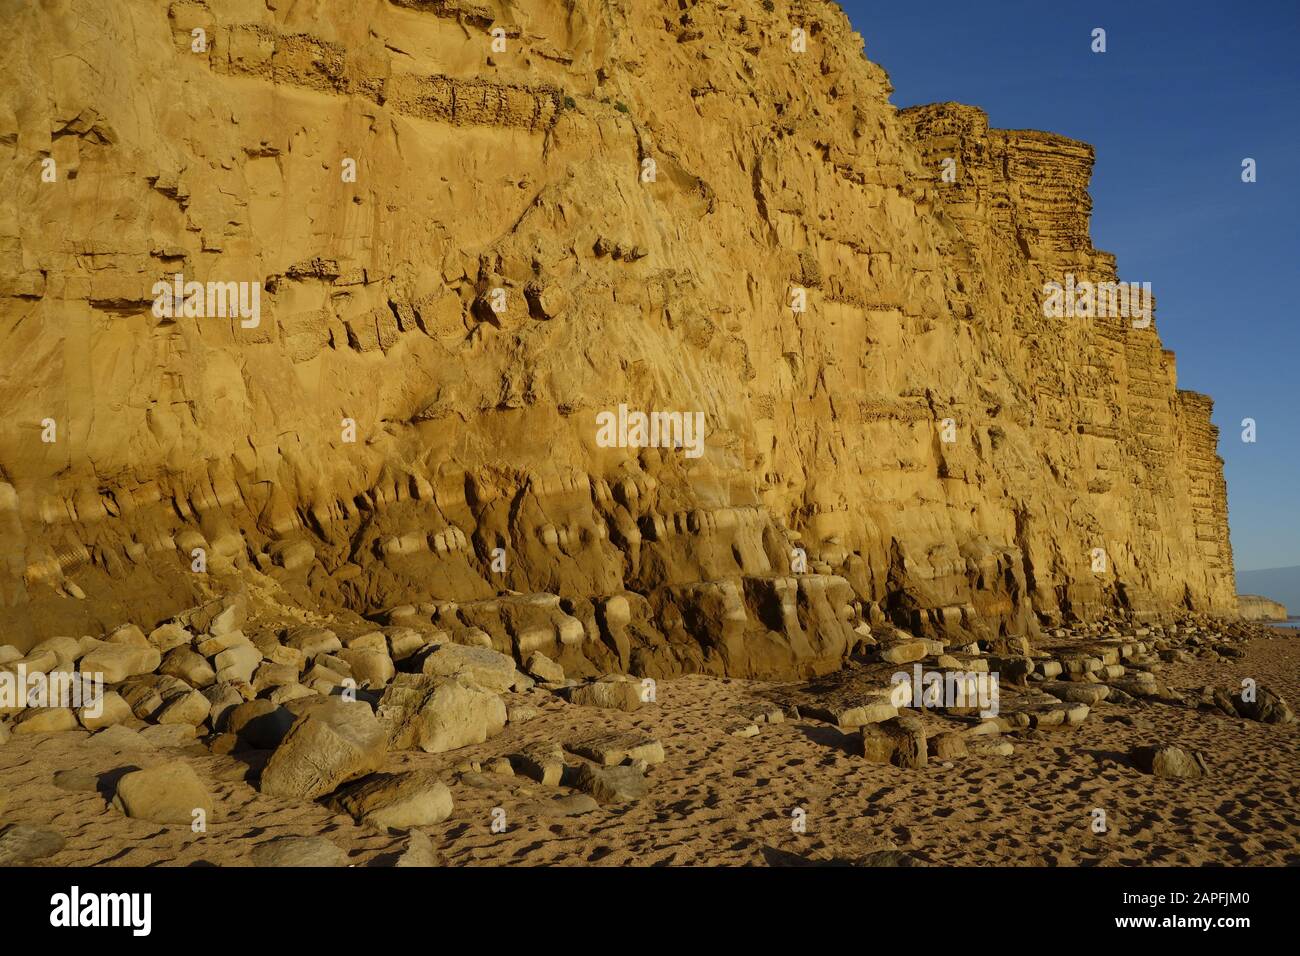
(1090, 694)
(852, 710)
(119, 737)
(397, 801)
(543, 762)
(1038, 711)
(989, 747)
(479, 667)
(168, 735)
(168, 793)
(570, 805)
(610, 695)
(22, 843)
(611, 784)
(117, 662)
(906, 652)
(76, 780)
(312, 851)
(609, 750)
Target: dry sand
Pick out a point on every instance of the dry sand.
(720, 799)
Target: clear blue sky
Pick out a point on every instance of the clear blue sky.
(1185, 91)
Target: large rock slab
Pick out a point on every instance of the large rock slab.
(22, 844)
(479, 667)
(117, 662)
(167, 793)
(397, 801)
(611, 749)
(543, 762)
(333, 742)
(296, 851)
(437, 714)
(608, 694)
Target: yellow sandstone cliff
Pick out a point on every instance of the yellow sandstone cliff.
(470, 253)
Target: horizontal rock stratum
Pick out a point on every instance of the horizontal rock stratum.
(461, 233)
(1253, 607)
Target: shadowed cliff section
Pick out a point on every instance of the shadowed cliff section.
(615, 209)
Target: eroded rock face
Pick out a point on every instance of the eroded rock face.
(460, 262)
(1254, 607)
(332, 742)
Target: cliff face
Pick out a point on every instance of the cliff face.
(1253, 607)
(620, 208)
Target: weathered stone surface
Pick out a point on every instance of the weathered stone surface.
(438, 714)
(611, 784)
(167, 793)
(1167, 761)
(419, 851)
(1267, 707)
(168, 735)
(521, 713)
(544, 669)
(1254, 607)
(741, 728)
(370, 667)
(221, 699)
(271, 675)
(190, 666)
(44, 720)
(904, 652)
(167, 637)
(117, 662)
(611, 749)
(990, 747)
(571, 805)
(296, 851)
(237, 663)
(686, 566)
(542, 762)
(899, 741)
(1090, 694)
(109, 710)
(334, 741)
(212, 645)
(67, 651)
(76, 780)
(612, 695)
(852, 713)
(259, 724)
(473, 666)
(404, 642)
(119, 737)
(187, 707)
(312, 641)
(397, 800)
(22, 844)
(946, 746)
